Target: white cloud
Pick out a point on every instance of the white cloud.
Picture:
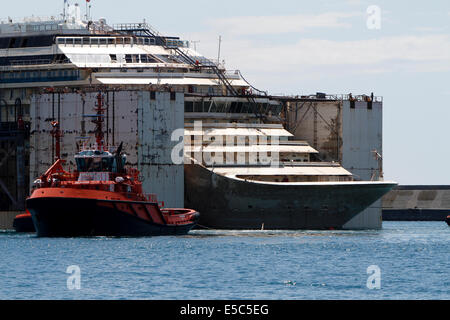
(429, 29)
(353, 2)
(254, 25)
(422, 53)
(278, 64)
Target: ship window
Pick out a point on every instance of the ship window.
(128, 58)
(77, 41)
(4, 42)
(113, 57)
(24, 42)
(198, 106)
(151, 59)
(278, 109)
(12, 42)
(103, 41)
(61, 41)
(81, 164)
(127, 40)
(144, 58)
(250, 107)
(152, 95)
(87, 41)
(213, 107)
(119, 40)
(107, 164)
(172, 96)
(135, 58)
(111, 41)
(188, 106)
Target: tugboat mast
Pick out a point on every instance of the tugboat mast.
(99, 119)
(56, 134)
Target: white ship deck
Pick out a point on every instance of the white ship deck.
(281, 171)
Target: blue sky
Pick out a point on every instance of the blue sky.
(303, 47)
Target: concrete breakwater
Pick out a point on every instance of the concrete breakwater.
(417, 203)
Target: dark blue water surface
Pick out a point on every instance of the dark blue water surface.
(414, 259)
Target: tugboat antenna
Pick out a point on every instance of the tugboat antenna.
(118, 158)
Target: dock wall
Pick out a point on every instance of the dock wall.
(417, 203)
(7, 219)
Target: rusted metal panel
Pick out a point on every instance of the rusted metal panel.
(319, 123)
(143, 125)
(362, 134)
(157, 119)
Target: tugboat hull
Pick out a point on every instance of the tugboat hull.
(74, 217)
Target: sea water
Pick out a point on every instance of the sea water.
(404, 260)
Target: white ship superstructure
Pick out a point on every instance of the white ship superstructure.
(75, 53)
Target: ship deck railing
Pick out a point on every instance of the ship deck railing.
(140, 26)
(328, 97)
(37, 62)
(278, 164)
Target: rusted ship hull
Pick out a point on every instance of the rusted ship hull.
(238, 204)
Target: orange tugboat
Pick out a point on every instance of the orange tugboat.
(24, 223)
(100, 198)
